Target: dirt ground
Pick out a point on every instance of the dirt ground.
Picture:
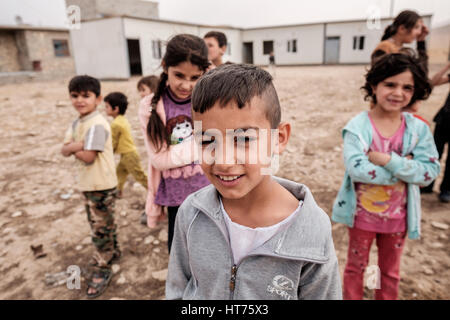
(39, 203)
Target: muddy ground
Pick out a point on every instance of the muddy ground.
(39, 202)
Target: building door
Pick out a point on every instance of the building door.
(332, 45)
(248, 52)
(134, 56)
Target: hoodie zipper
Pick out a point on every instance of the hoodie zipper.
(233, 280)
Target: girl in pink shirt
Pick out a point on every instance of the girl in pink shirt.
(166, 121)
(388, 153)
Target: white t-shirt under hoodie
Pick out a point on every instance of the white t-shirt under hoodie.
(244, 239)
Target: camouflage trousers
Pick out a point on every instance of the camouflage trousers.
(100, 213)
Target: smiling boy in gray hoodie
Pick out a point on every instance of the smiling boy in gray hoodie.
(248, 235)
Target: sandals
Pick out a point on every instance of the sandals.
(100, 287)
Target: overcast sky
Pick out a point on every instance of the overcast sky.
(254, 13)
(239, 13)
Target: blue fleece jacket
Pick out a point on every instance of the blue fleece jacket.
(420, 171)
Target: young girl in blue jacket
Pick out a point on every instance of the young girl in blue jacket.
(388, 154)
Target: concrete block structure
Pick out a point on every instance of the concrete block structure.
(45, 51)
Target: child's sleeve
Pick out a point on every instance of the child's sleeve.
(174, 156)
(179, 273)
(95, 138)
(423, 168)
(358, 166)
(115, 135)
(321, 281)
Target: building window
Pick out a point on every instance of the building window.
(358, 43)
(61, 48)
(267, 47)
(361, 43)
(292, 45)
(156, 49)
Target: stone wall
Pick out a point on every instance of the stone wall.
(9, 55)
(40, 48)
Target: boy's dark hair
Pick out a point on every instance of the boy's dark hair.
(392, 64)
(84, 83)
(181, 48)
(117, 99)
(238, 83)
(406, 18)
(149, 81)
(219, 36)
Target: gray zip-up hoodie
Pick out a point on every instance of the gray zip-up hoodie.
(297, 263)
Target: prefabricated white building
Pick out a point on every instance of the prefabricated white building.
(117, 47)
(341, 42)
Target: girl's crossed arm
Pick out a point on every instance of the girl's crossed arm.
(358, 166)
(423, 168)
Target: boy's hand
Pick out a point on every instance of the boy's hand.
(71, 148)
(379, 158)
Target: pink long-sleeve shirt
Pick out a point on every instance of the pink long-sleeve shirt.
(168, 158)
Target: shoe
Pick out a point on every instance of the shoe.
(144, 218)
(444, 196)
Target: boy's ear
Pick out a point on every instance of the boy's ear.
(99, 99)
(284, 133)
(163, 65)
(223, 49)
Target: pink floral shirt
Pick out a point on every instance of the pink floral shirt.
(381, 208)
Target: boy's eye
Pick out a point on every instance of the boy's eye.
(244, 139)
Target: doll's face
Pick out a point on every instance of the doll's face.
(182, 130)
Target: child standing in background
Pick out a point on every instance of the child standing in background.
(407, 27)
(88, 139)
(147, 85)
(388, 154)
(173, 175)
(217, 46)
(130, 163)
